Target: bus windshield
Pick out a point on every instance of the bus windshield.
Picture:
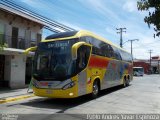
(53, 60)
(138, 69)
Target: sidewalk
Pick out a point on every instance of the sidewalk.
(8, 95)
(5, 93)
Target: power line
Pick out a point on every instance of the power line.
(121, 30)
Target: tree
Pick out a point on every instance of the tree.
(153, 6)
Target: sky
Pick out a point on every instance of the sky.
(102, 17)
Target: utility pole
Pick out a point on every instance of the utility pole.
(150, 52)
(158, 67)
(131, 45)
(120, 31)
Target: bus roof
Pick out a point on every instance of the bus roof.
(61, 35)
(78, 34)
(88, 33)
(137, 67)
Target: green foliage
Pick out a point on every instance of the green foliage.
(153, 7)
(3, 46)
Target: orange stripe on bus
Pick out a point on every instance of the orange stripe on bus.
(98, 62)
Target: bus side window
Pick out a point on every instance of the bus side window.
(83, 56)
(110, 52)
(116, 53)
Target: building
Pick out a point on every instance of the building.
(153, 68)
(19, 33)
(142, 63)
(20, 29)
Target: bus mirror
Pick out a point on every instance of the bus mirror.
(75, 48)
(31, 49)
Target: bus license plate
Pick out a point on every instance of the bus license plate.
(49, 91)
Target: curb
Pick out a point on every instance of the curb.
(11, 99)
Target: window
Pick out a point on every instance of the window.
(103, 49)
(126, 56)
(89, 40)
(117, 53)
(82, 58)
(2, 27)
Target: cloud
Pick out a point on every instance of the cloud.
(110, 31)
(102, 8)
(146, 42)
(72, 25)
(130, 6)
(33, 3)
(103, 17)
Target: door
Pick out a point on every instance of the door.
(83, 55)
(14, 37)
(2, 63)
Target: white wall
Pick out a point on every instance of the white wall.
(21, 23)
(18, 66)
(7, 68)
(15, 65)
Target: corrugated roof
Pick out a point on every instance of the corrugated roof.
(46, 22)
(13, 11)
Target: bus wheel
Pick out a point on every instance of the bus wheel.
(127, 81)
(124, 82)
(95, 91)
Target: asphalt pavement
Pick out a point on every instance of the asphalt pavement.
(141, 97)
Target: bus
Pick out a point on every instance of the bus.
(76, 63)
(138, 71)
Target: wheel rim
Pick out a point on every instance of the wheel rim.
(127, 82)
(124, 83)
(95, 89)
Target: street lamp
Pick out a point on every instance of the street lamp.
(131, 44)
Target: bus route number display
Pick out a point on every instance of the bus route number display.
(57, 44)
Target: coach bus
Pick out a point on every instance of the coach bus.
(72, 64)
(138, 71)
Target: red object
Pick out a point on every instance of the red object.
(145, 65)
(44, 83)
(96, 61)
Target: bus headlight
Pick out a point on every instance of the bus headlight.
(69, 85)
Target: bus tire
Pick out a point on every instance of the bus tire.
(95, 90)
(127, 81)
(124, 82)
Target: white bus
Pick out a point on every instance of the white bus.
(138, 71)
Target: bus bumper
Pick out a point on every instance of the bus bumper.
(56, 93)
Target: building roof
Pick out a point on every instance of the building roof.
(140, 60)
(13, 8)
(155, 57)
(13, 11)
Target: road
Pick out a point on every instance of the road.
(142, 97)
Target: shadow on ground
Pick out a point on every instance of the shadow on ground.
(64, 104)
